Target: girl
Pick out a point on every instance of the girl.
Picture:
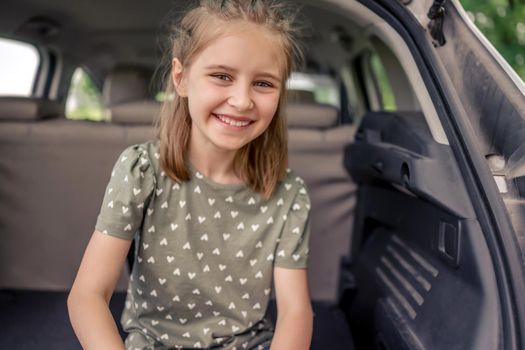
(216, 212)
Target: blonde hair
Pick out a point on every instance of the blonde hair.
(261, 163)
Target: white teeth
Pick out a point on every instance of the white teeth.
(232, 122)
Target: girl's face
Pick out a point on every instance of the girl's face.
(233, 87)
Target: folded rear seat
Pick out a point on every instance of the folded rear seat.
(53, 175)
(316, 144)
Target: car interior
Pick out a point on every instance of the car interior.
(394, 248)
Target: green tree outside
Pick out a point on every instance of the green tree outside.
(503, 23)
(84, 100)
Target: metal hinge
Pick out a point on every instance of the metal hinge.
(436, 14)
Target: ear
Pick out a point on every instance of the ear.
(177, 75)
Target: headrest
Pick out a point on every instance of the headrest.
(127, 83)
(311, 115)
(141, 112)
(301, 96)
(127, 95)
(28, 108)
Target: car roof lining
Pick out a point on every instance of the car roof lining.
(130, 37)
(110, 41)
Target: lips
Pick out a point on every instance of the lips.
(233, 121)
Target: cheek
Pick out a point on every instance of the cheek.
(201, 99)
(207, 95)
(269, 109)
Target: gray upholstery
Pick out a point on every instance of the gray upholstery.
(52, 181)
(316, 147)
(311, 115)
(141, 112)
(28, 109)
(301, 96)
(128, 97)
(53, 177)
(127, 83)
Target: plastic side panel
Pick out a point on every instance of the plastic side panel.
(398, 150)
(410, 295)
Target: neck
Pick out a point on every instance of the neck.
(217, 165)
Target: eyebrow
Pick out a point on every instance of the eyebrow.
(232, 70)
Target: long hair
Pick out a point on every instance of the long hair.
(261, 163)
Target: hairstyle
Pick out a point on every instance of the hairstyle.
(261, 163)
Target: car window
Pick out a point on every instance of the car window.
(354, 107)
(503, 24)
(388, 102)
(18, 66)
(84, 100)
(317, 88)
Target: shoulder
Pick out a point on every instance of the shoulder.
(137, 163)
(293, 201)
(140, 156)
(293, 185)
(293, 179)
(148, 149)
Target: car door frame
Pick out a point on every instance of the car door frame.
(484, 194)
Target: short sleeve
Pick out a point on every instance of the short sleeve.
(293, 247)
(127, 194)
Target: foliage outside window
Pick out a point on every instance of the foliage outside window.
(503, 23)
(162, 96)
(322, 87)
(84, 100)
(18, 66)
(388, 100)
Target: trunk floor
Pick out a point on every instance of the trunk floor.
(38, 320)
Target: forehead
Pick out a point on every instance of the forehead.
(244, 46)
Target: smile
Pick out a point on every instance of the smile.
(233, 122)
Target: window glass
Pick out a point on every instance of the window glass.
(84, 100)
(162, 96)
(351, 107)
(18, 66)
(503, 24)
(388, 100)
(351, 91)
(317, 88)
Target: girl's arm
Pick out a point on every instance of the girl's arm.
(294, 310)
(88, 301)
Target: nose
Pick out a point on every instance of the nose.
(241, 97)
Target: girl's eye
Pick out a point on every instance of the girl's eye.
(263, 84)
(224, 77)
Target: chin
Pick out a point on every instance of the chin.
(231, 143)
(230, 146)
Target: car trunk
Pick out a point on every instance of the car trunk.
(422, 270)
(435, 261)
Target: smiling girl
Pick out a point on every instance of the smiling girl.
(216, 214)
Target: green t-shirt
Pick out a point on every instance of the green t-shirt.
(206, 251)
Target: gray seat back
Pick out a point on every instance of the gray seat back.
(316, 144)
(52, 180)
(54, 172)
